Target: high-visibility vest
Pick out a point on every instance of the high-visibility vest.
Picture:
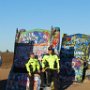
(32, 65)
(50, 61)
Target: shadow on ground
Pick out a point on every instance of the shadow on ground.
(65, 84)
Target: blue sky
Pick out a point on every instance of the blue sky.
(72, 16)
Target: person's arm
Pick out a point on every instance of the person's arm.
(38, 66)
(43, 63)
(27, 66)
(58, 65)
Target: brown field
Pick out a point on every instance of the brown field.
(6, 66)
(7, 60)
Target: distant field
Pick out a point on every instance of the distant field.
(7, 59)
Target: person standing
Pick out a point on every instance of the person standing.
(50, 64)
(32, 67)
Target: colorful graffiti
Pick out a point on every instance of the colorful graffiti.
(80, 44)
(78, 67)
(55, 39)
(39, 37)
(26, 42)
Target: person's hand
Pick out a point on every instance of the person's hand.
(58, 71)
(38, 71)
(43, 70)
(30, 74)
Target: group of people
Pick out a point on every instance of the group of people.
(47, 69)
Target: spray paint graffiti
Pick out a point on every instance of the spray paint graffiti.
(39, 37)
(26, 42)
(78, 67)
(55, 39)
(80, 44)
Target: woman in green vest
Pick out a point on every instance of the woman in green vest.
(50, 64)
(32, 67)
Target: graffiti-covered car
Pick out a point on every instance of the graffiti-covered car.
(75, 57)
(26, 42)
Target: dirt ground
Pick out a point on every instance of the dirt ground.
(3, 77)
(82, 86)
(5, 72)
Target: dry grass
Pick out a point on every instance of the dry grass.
(7, 59)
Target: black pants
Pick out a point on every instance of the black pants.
(49, 76)
(43, 78)
(31, 82)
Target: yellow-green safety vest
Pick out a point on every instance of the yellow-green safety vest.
(51, 62)
(32, 65)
